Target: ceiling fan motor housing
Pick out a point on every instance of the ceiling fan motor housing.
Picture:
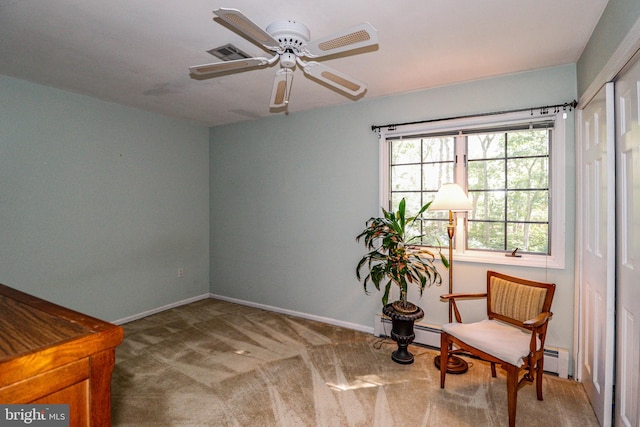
(291, 35)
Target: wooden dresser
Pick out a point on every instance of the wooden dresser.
(50, 354)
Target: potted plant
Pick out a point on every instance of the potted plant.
(393, 260)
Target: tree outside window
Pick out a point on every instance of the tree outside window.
(508, 180)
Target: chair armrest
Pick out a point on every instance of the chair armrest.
(454, 296)
(533, 325)
(538, 321)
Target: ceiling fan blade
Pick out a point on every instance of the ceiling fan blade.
(281, 88)
(334, 78)
(247, 27)
(227, 66)
(362, 35)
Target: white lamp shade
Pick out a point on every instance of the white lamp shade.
(451, 197)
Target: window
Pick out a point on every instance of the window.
(508, 180)
(512, 166)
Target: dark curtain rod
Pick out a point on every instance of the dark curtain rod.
(543, 110)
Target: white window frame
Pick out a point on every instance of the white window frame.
(557, 186)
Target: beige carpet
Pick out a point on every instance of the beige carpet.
(213, 363)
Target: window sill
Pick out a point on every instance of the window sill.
(525, 260)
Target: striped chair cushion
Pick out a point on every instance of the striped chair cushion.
(514, 300)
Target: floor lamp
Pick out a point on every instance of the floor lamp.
(451, 197)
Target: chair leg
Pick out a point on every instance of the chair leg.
(512, 393)
(539, 370)
(444, 356)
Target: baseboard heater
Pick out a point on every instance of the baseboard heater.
(556, 360)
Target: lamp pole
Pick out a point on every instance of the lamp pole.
(450, 197)
(450, 231)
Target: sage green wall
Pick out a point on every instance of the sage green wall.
(290, 193)
(617, 19)
(100, 204)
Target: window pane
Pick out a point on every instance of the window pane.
(528, 143)
(436, 174)
(420, 166)
(528, 237)
(486, 235)
(530, 172)
(405, 151)
(486, 146)
(405, 178)
(486, 174)
(438, 149)
(436, 233)
(488, 206)
(526, 206)
(413, 231)
(412, 202)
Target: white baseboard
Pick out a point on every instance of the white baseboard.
(159, 309)
(556, 360)
(321, 319)
(294, 313)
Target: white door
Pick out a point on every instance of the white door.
(596, 251)
(627, 87)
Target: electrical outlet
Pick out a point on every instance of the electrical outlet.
(180, 273)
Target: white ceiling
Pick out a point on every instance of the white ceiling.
(136, 52)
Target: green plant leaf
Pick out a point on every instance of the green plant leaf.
(385, 297)
(444, 260)
(392, 258)
(401, 215)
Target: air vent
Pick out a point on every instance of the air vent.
(228, 52)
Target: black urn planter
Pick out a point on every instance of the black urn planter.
(402, 321)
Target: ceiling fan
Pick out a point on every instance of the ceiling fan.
(289, 43)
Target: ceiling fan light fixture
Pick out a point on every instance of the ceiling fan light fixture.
(288, 60)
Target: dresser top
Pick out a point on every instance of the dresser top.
(29, 324)
(24, 328)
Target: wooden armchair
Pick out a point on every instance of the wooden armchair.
(513, 336)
